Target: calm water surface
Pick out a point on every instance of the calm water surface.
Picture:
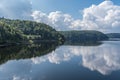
(65, 62)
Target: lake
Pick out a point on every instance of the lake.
(71, 61)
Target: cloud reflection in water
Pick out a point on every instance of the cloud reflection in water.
(104, 59)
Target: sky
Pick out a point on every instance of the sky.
(73, 7)
(101, 15)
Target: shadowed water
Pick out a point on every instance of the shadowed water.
(71, 61)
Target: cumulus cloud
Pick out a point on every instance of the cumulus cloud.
(15, 9)
(58, 20)
(103, 17)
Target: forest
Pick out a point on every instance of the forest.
(84, 36)
(26, 31)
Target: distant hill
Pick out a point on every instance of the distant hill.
(113, 35)
(83, 36)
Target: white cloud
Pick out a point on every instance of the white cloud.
(103, 17)
(15, 9)
(57, 19)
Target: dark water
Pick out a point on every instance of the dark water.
(48, 61)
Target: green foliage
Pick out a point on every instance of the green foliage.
(9, 34)
(23, 30)
(83, 36)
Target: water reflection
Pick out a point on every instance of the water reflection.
(26, 51)
(104, 58)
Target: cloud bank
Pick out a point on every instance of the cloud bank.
(103, 17)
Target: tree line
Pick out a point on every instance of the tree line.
(24, 30)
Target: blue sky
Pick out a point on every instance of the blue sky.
(72, 7)
(101, 15)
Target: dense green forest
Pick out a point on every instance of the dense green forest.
(84, 36)
(23, 30)
(9, 34)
